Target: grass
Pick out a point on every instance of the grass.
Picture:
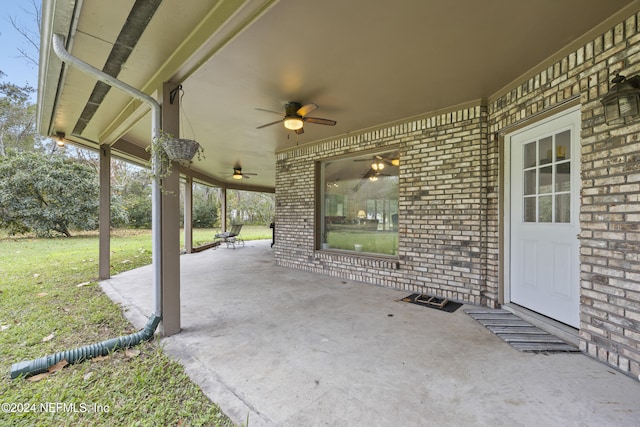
(50, 301)
(385, 243)
(202, 236)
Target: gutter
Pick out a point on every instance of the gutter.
(28, 368)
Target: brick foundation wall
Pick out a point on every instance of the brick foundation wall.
(610, 168)
(449, 192)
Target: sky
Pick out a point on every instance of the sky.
(18, 70)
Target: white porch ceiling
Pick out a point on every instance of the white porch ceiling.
(364, 62)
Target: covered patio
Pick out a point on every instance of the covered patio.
(277, 346)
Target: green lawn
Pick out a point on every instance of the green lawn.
(50, 302)
(376, 242)
(202, 236)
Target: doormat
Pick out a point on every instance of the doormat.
(431, 301)
(521, 335)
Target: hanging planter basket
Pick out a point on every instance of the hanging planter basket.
(179, 149)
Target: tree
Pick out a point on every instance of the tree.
(206, 204)
(47, 194)
(17, 119)
(136, 195)
(251, 207)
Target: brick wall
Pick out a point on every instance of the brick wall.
(610, 167)
(449, 192)
(444, 230)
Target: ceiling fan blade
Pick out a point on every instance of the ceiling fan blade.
(270, 111)
(249, 173)
(319, 121)
(299, 131)
(306, 109)
(370, 172)
(269, 124)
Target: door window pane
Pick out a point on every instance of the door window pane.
(530, 182)
(544, 209)
(563, 208)
(545, 150)
(563, 177)
(563, 145)
(530, 209)
(545, 180)
(530, 155)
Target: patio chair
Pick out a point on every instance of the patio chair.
(230, 237)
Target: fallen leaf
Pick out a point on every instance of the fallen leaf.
(36, 275)
(126, 261)
(83, 284)
(41, 294)
(4, 327)
(132, 352)
(38, 377)
(99, 358)
(58, 366)
(89, 375)
(48, 338)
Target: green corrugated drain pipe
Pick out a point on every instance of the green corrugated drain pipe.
(38, 366)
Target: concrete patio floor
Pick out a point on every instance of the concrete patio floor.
(283, 347)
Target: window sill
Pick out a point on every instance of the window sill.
(387, 262)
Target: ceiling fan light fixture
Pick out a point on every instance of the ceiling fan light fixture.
(237, 174)
(395, 162)
(293, 123)
(377, 166)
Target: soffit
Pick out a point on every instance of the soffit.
(364, 62)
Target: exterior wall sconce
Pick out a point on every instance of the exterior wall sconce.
(361, 214)
(60, 139)
(623, 99)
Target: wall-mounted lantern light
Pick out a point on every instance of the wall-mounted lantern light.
(60, 138)
(623, 99)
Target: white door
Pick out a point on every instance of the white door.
(544, 205)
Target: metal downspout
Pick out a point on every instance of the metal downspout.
(156, 117)
(36, 366)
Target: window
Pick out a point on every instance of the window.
(547, 179)
(359, 203)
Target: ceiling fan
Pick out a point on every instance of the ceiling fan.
(379, 162)
(238, 174)
(295, 115)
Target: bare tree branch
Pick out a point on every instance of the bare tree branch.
(31, 54)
